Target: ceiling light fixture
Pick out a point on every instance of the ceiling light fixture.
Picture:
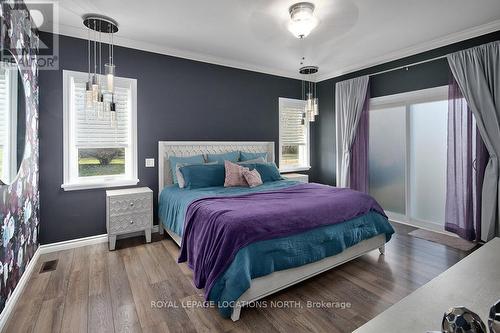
(309, 93)
(99, 94)
(302, 19)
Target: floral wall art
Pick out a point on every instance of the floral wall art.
(19, 201)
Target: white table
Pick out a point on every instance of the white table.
(474, 282)
(129, 210)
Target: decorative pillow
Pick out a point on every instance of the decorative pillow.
(268, 171)
(234, 175)
(202, 175)
(244, 156)
(195, 159)
(252, 177)
(257, 160)
(232, 156)
(180, 177)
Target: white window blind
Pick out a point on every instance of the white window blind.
(293, 132)
(94, 132)
(293, 136)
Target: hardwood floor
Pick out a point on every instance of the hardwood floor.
(95, 290)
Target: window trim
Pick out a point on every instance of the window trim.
(305, 167)
(70, 184)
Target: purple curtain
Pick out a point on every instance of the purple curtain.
(358, 174)
(466, 161)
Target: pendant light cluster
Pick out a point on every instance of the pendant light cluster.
(309, 93)
(99, 90)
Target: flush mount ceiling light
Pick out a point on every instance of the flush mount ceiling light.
(302, 19)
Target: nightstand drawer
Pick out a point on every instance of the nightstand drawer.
(296, 176)
(131, 203)
(129, 222)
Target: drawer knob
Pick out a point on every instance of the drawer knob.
(131, 204)
(131, 221)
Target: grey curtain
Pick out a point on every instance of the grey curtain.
(477, 72)
(349, 100)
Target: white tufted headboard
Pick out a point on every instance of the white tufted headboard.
(189, 148)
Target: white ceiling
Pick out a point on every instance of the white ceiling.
(252, 34)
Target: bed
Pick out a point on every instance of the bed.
(273, 248)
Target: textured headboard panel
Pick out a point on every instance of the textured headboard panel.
(189, 148)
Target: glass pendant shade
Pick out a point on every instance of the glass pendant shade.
(107, 107)
(315, 107)
(112, 117)
(88, 95)
(100, 106)
(309, 103)
(95, 89)
(109, 70)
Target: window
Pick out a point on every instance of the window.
(293, 136)
(407, 155)
(8, 120)
(99, 151)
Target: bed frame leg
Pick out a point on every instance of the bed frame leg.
(235, 316)
(382, 249)
(161, 230)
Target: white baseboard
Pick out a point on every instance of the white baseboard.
(48, 248)
(79, 242)
(18, 290)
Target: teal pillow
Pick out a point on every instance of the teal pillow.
(268, 171)
(232, 156)
(257, 160)
(244, 156)
(203, 175)
(195, 159)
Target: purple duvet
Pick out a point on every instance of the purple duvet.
(216, 228)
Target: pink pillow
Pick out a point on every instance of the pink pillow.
(252, 177)
(234, 175)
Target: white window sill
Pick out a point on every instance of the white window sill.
(99, 184)
(295, 169)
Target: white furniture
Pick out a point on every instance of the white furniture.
(269, 284)
(129, 210)
(474, 282)
(296, 176)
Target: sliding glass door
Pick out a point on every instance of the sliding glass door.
(386, 156)
(407, 156)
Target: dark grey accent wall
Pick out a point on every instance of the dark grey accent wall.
(177, 99)
(427, 75)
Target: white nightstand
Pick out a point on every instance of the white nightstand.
(129, 210)
(296, 176)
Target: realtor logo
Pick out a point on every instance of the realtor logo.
(45, 18)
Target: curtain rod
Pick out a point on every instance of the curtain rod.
(409, 65)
